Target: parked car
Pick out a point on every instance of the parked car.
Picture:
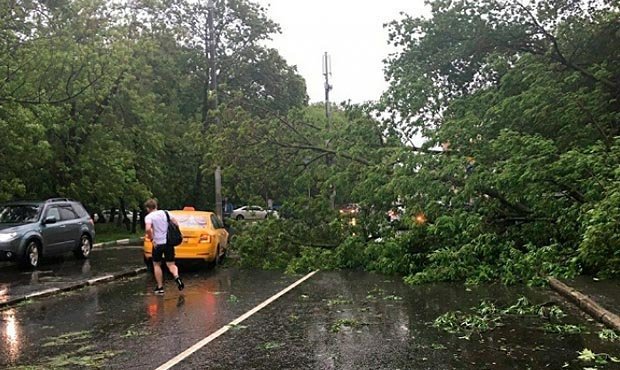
(395, 213)
(253, 213)
(30, 231)
(204, 237)
(106, 215)
(348, 212)
(349, 209)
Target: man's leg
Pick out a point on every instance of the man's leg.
(157, 258)
(159, 276)
(172, 267)
(169, 256)
(174, 270)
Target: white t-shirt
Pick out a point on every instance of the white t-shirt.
(159, 223)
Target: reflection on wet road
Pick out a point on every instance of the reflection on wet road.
(123, 325)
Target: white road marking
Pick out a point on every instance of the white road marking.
(185, 354)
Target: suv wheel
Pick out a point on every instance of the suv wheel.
(84, 247)
(32, 254)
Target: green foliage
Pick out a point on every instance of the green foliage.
(108, 107)
(111, 108)
(484, 318)
(487, 316)
(267, 346)
(526, 184)
(600, 247)
(587, 355)
(345, 323)
(609, 335)
(310, 259)
(524, 307)
(110, 231)
(302, 240)
(563, 328)
(265, 245)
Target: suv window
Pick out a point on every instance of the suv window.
(19, 213)
(80, 210)
(67, 213)
(53, 212)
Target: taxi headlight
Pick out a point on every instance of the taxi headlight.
(7, 237)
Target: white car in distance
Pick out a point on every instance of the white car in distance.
(252, 213)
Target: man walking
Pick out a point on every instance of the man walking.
(156, 223)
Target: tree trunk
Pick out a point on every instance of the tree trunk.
(134, 221)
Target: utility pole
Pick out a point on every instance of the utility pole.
(218, 193)
(212, 98)
(210, 86)
(327, 72)
(212, 54)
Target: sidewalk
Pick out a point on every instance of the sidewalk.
(118, 242)
(108, 265)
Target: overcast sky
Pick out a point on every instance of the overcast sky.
(350, 31)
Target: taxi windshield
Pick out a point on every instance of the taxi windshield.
(191, 220)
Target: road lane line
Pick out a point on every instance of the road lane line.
(185, 354)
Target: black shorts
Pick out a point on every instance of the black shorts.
(163, 252)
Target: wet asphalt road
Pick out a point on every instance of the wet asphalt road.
(334, 320)
(355, 320)
(123, 325)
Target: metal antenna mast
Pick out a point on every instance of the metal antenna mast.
(327, 72)
(212, 53)
(212, 97)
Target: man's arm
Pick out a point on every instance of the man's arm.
(149, 230)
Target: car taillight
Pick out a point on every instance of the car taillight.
(205, 238)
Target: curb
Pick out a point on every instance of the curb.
(74, 286)
(118, 242)
(586, 304)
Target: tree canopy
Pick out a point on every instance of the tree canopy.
(518, 179)
(111, 102)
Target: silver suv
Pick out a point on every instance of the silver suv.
(32, 230)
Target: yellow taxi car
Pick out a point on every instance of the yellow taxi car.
(204, 237)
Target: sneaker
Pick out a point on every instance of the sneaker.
(159, 290)
(179, 283)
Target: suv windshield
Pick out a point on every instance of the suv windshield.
(19, 213)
